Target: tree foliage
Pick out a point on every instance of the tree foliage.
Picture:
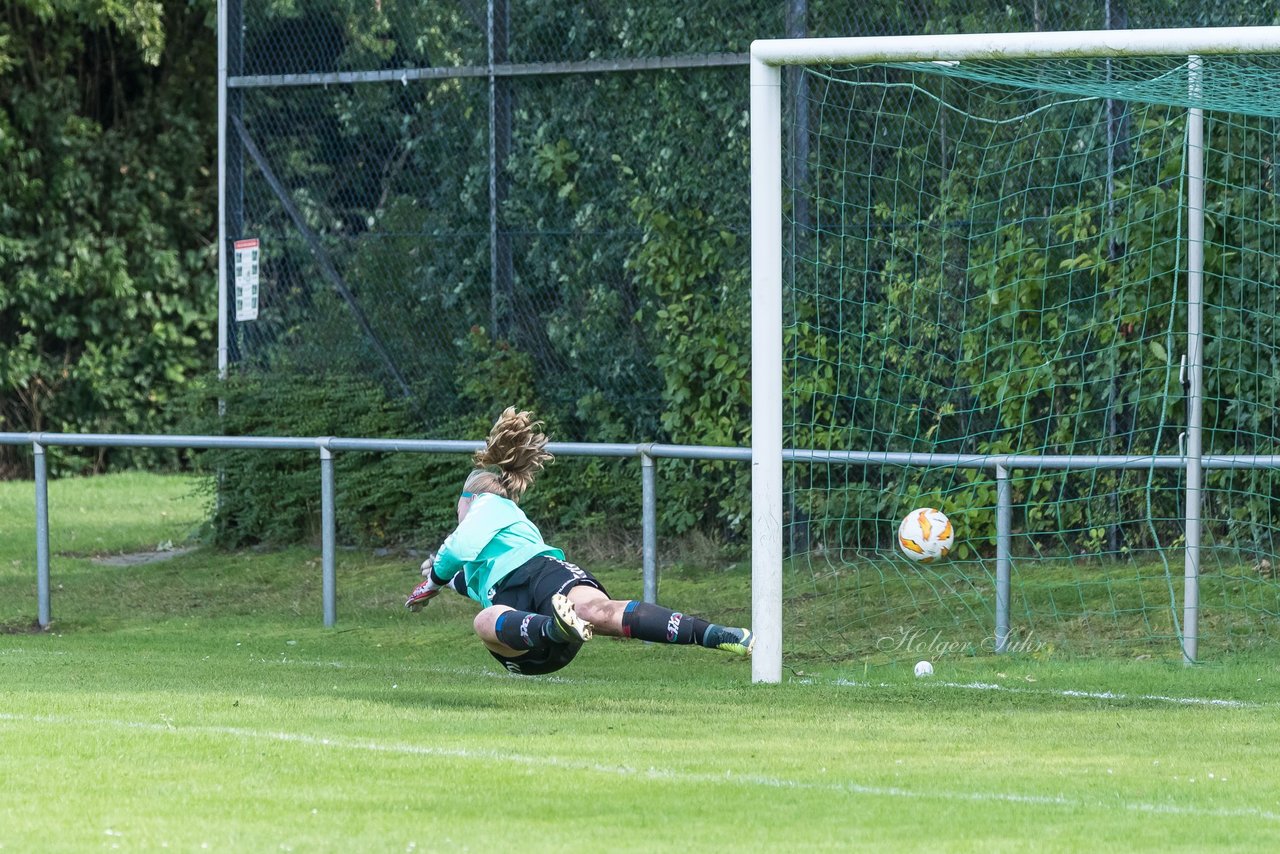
(107, 204)
(621, 312)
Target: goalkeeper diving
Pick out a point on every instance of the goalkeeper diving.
(537, 608)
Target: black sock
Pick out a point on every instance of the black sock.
(523, 630)
(648, 622)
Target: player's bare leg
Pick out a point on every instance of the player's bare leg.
(641, 620)
(512, 633)
(485, 624)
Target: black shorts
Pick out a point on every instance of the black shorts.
(530, 588)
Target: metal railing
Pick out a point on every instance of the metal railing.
(326, 446)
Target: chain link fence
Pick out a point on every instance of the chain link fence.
(433, 183)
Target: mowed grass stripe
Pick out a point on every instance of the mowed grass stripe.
(83, 726)
(199, 702)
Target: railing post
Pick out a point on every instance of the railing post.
(327, 526)
(1004, 537)
(649, 527)
(42, 536)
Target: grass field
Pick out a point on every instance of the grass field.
(199, 704)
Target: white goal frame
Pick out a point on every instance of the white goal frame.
(768, 57)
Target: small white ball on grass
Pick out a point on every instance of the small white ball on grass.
(923, 668)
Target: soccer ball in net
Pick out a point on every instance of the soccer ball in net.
(926, 535)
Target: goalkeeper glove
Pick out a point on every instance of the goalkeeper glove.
(426, 591)
(422, 594)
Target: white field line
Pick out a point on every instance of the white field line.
(1087, 695)
(651, 773)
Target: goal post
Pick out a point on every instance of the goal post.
(766, 371)
(955, 248)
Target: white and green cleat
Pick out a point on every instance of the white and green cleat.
(739, 641)
(568, 624)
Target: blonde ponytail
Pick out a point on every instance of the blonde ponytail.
(511, 457)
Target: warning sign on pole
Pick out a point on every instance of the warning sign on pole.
(246, 256)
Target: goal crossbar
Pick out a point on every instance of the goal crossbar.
(1042, 45)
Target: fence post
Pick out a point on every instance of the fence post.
(327, 526)
(42, 536)
(649, 526)
(1004, 526)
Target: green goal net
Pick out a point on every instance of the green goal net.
(988, 268)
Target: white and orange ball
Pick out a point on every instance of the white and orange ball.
(926, 535)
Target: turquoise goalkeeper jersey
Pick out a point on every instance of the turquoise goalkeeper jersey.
(493, 540)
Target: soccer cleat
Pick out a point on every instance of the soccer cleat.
(568, 625)
(740, 641)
